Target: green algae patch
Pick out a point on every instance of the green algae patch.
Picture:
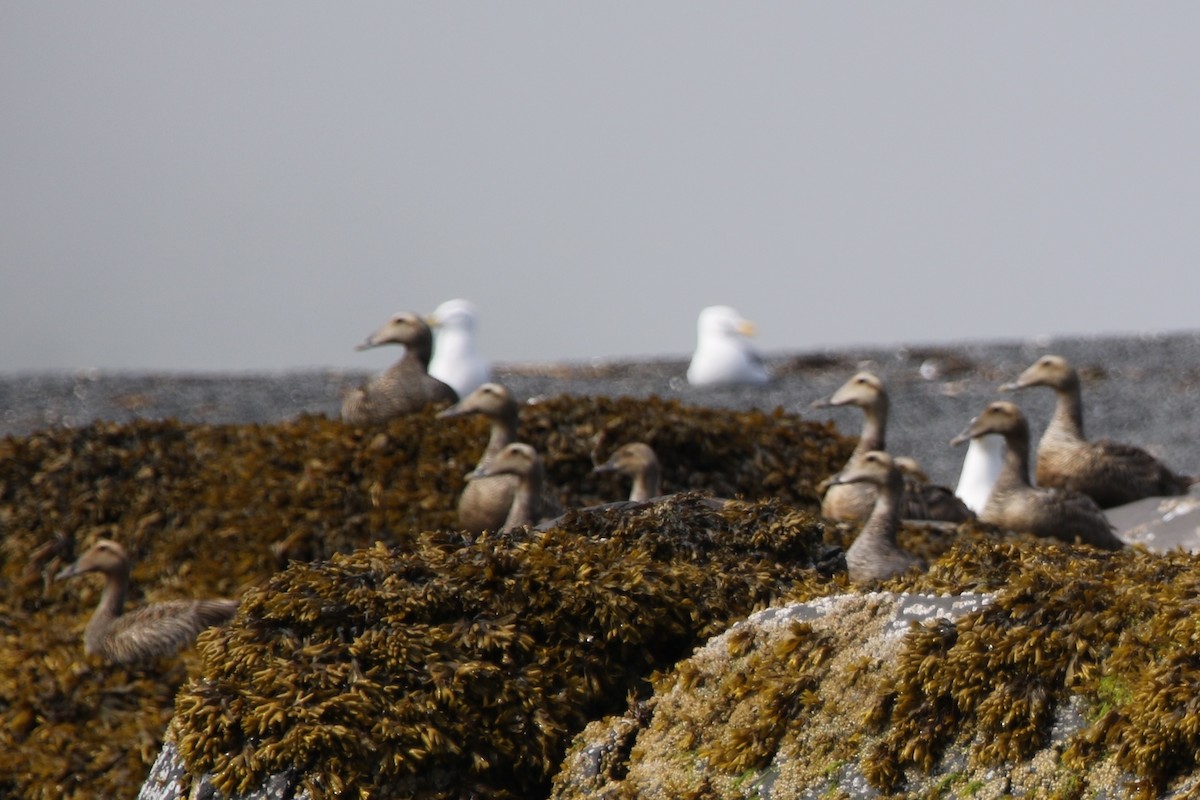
(220, 510)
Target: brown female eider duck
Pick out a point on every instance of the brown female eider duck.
(522, 461)
(638, 462)
(1110, 473)
(854, 502)
(154, 631)
(405, 387)
(1016, 505)
(875, 555)
(485, 501)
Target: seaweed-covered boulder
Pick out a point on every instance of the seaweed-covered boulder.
(218, 510)
(462, 668)
(1037, 669)
(759, 710)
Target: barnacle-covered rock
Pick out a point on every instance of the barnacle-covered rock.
(217, 510)
(1075, 676)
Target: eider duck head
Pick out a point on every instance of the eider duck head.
(105, 556)
(1049, 370)
(863, 390)
(517, 459)
(630, 460)
(874, 467)
(490, 399)
(1000, 417)
(403, 327)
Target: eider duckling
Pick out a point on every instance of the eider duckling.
(638, 462)
(404, 388)
(854, 502)
(1016, 505)
(980, 468)
(485, 501)
(875, 555)
(522, 461)
(154, 631)
(1110, 473)
(723, 355)
(456, 361)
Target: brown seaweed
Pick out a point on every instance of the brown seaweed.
(220, 509)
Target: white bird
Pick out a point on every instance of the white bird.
(456, 361)
(980, 468)
(723, 354)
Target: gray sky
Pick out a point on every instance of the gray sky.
(231, 186)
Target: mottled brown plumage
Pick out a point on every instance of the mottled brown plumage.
(854, 502)
(875, 555)
(637, 461)
(154, 631)
(1109, 472)
(405, 387)
(1016, 505)
(485, 501)
(523, 462)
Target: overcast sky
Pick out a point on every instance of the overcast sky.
(256, 186)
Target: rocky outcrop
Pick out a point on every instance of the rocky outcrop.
(1060, 676)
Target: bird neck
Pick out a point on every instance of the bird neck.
(645, 484)
(504, 433)
(112, 603)
(1015, 468)
(525, 504)
(874, 429)
(1068, 412)
(884, 521)
(420, 351)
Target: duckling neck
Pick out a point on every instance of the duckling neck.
(112, 603)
